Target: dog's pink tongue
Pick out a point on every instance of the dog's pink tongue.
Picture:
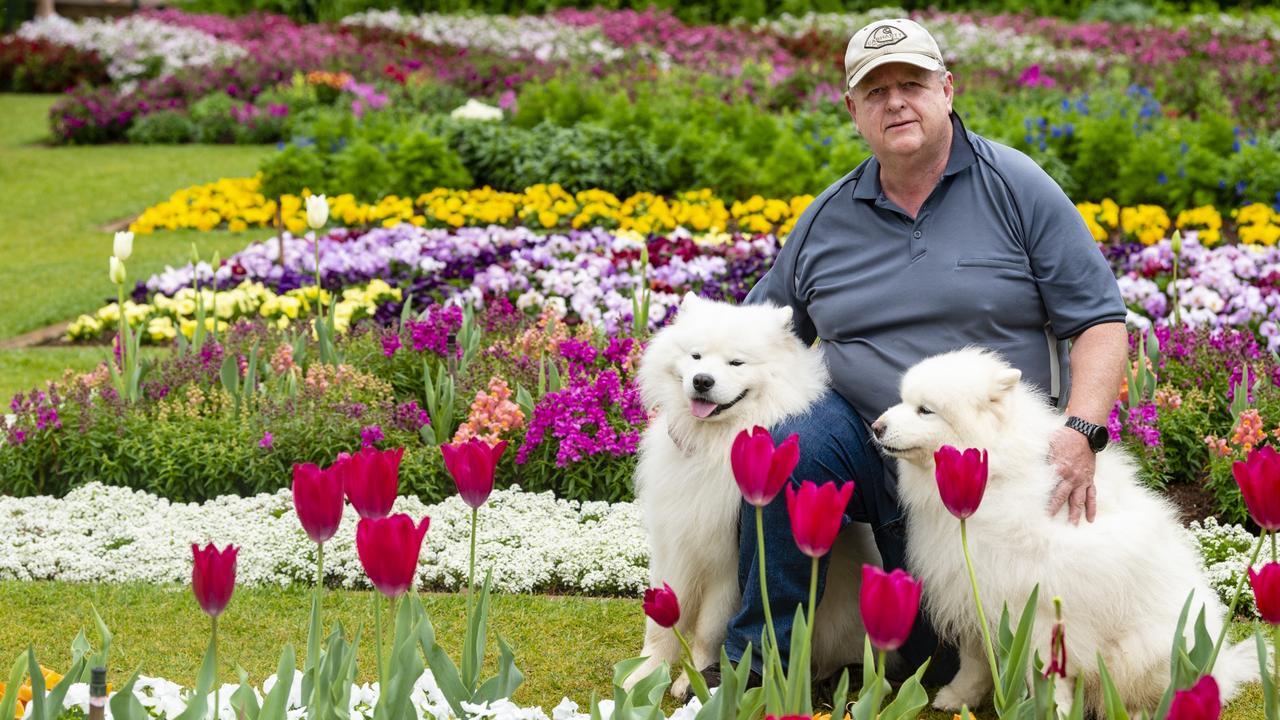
(701, 408)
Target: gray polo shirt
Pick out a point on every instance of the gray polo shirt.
(997, 256)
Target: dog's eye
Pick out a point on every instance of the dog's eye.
(735, 363)
(697, 356)
(922, 410)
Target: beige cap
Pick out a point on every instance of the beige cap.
(889, 41)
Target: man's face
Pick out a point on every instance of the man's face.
(901, 109)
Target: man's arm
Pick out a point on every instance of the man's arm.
(1098, 359)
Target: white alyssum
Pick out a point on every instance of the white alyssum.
(476, 110)
(533, 542)
(134, 47)
(1226, 549)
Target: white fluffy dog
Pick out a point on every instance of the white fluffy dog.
(716, 370)
(1123, 579)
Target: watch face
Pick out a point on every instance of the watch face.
(1098, 438)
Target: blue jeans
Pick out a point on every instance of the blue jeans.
(834, 445)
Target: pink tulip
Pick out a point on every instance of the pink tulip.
(317, 499)
(761, 469)
(1259, 480)
(1266, 590)
(962, 478)
(371, 478)
(389, 548)
(472, 465)
(889, 603)
(661, 605)
(213, 577)
(1201, 702)
(816, 514)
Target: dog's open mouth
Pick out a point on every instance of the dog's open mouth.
(889, 449)
(705, 409)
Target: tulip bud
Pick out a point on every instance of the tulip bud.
(1266, 591)
(759, 468)
(472, 465)
(216, 261)
(389, 548)
(661, 605)
(122, 247)
(817, 512)
(195, 255)
(1200, 702)
(116, 270)
(317, 211)
(213, 577)
(889, 603)
(962, 479)
(1175, 242)
(1259, 479)
(317, 499)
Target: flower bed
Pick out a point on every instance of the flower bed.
(533, 541)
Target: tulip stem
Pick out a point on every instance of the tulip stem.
(813, 601)
(471, 575)
(121, 339)
(214, 621)
(377, 626)
(875, 691)
(319, 305)
(313, 641)
(1273, 546)
(982, 617)
(764, 588)
(1231, 611)
(684, 644)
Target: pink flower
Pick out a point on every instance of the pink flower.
(1259, 479)
(962, 479)
(213, 577)
(1201, 702)
(816, 514)
(889, 603)
(371, 479)
(662, 606)
(317, 499)
(759, 467)
(472, 466)
(389, 548)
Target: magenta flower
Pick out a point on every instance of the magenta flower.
(759, 467)
(1259, 479)
(662, 606)
(1200, 702)
(962, 479)
(817, 512)
(889, 603)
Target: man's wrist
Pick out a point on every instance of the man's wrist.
(1095, 434)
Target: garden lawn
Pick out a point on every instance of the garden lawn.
(57, 204)
(566, 646)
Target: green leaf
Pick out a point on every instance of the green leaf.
(37, 685)
(79, 647)
(276, 705)
(473, 643)
(198, 705)
(799, 701)
(54, 701)
(244, 700)
(697, 683)
(406, 664)
(841, 696)
(99, 659)
(442, 667)
(229, 373)
(405, 311)
(1111, 700)
(553, 372)
(509, 677)
(911, 698)
(1013, 669)
(1202, 645)
(125, 705)
(1271, 704)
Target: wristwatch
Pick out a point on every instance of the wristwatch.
(1096, 434)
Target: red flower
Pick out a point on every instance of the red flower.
(889, 602)
(389, 548)
(759, 467)
(1259, 480)
(816, 514)
(213, 577)
(1057, 652)
(962, 478)
(1201, 702)
(371, 478)
(661, 605)
(1266, 590)
(317, 499)
(472, 464)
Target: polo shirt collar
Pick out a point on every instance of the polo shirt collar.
(961, 157)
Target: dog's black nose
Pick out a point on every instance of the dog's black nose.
(877, 428)
(703, 382)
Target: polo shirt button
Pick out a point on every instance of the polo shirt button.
(918, 233)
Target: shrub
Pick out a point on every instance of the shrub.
(292, 169)
(43, 66)
(422, 162)
(164, 127)
(214, 120)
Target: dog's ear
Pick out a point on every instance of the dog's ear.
(1005, 381)
(784, 315)
(689, 301)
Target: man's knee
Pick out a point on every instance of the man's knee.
(834, 444)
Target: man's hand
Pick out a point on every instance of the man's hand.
(1074, 462)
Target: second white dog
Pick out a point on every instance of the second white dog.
(715, 371)
(1123, 579)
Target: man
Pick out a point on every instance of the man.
(941, 239)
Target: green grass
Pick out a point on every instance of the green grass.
(566, 646)
(55, 206)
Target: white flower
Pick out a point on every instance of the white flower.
(317, 211)
(476, 110)
(116, 270)
(122, 247)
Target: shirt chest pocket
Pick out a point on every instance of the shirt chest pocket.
(982, 266)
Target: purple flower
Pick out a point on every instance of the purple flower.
(590, 416)
(371, 435)
(267, 440)
(390, 344)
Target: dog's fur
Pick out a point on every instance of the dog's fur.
(1123, 579)
(685, 485)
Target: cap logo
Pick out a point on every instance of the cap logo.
(884, 36)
